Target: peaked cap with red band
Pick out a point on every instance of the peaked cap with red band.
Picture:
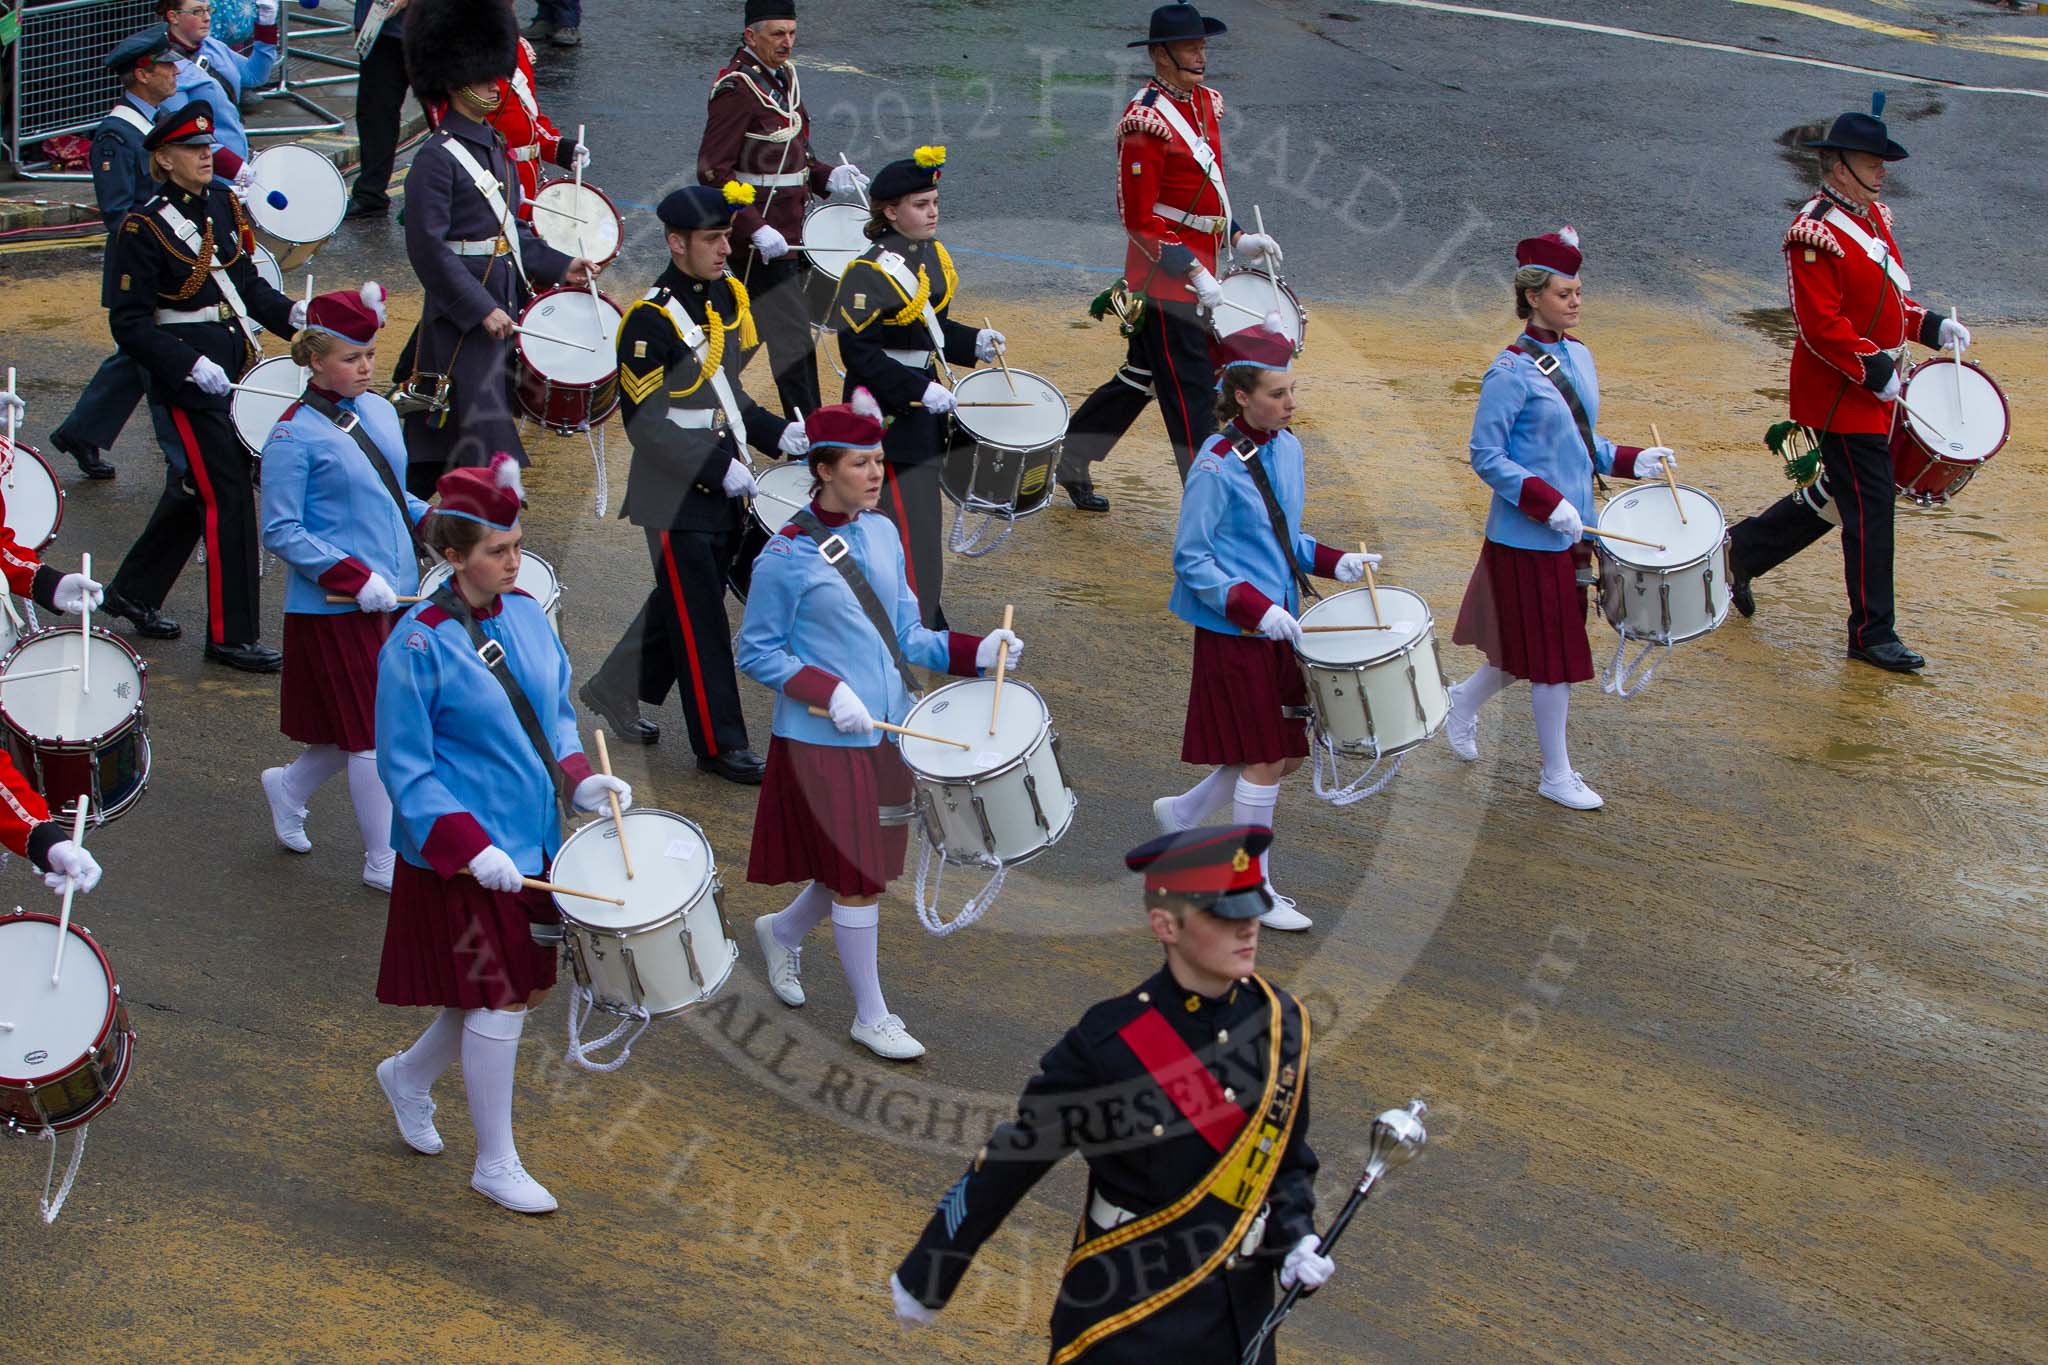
(492, 496)
(1216, 868)
(187, 125)
(1554, 251)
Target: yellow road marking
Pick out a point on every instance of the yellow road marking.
(2028, 48)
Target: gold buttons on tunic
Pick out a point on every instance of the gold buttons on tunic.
(1228, 1093)
(1223, 1035)
(1144, 997)
(1158, 1130)
(1194, 1003)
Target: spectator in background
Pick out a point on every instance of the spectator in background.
(210, 70)
(556, 21)
(380, 95)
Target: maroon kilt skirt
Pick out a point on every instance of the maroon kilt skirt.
(328, 694)
(1235, 697)
(819, 817)
(1526, 611)
(447, 941)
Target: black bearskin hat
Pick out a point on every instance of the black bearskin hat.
(453, 43)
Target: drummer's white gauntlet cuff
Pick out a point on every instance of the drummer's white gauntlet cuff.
(770, 243)
(1256, 246)
(210, 378)
(71, 865)
(795, 442)
(1564, 519)
(376, 595)
(74, 592)
(850, 714)
(1207, 292)
(494, 870)
(1351, 567)
(985, 652)
(738, 480)
(1650, 464)
(1954, 334)
(938, 399)
(1278, 624)
(590, 793)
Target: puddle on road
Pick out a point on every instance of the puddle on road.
(1775, 323)
(2025, 601)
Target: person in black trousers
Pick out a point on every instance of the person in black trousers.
(380, 94)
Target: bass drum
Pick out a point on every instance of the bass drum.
(780, 492)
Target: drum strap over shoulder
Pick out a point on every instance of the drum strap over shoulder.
(898, 271)
(1204, 155)
(1247, 452)
(1553, 369)
(131, 116)
(449, 599)
(352, 426)
(1821, 210)
(839, 554)
(494, 195)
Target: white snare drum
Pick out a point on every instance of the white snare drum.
(577, 220)
(1672, 594)
(1377, 692)
(667, 948)
(1248, 295)
(780, 492)
(297, 203)
(834, 234)
(259, 405)
(537, 579)
(67, 741)
(266, 267)
(34, 498)
(1953, 420)
(1004, 797)
(68, 1046)
(1008, 467)
(568, 362)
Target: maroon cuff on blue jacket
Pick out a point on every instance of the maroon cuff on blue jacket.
(453, 842)
(960, 651)
(345, 575)
(1245, 606)
(265, 33)
(1625, 461)
(812, 686)
(226, 164)
(577, 766)
(1326, 560)
(1538, 499)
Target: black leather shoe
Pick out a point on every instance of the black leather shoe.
(1891, 655)
(625, 721)
(250, 658)
(93, 462)
(539, 31)
(362, 208)
(1742, 597)
(743, 766)
(1085, 497)
(146, 620)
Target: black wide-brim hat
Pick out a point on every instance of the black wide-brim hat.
(1864, 133)
(1179, 24)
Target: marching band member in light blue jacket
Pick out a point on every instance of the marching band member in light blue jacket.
(208, 69)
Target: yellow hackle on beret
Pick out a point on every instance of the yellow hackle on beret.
(929, 157)
(739, 192)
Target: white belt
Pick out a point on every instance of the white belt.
(1210, 223)
(697, 419)
(170, 317)
(781, 180)
(916, 360)
(530, 152)
(489, 246)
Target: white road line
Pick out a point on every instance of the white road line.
(1609, 31)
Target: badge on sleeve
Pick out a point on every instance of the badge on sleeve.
(417, 640)
(1811, 256)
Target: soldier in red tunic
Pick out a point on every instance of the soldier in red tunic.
(530, 137)
(1854, 317)
(1176, 211)
(757, 132)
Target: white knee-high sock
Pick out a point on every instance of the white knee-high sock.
(793, 921)
(1197, 801)
(1552, 701)
(303, 776)
(1477, 690)
(420, 1065)
(1254, 804)
(373, 805)
(857, 929)
(490, 1047)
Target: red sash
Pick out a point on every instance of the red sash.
(1173, 1065)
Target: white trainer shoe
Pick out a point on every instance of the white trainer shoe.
(377, 871)
(785, 965)
(1571, 793)
(1463, 733)
(1162, 815)
(508, 1184)
(1284, 915)
(415, 1117)
(289, 825)
(887, 1039)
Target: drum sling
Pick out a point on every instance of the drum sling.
(353, 428)
(449, 599)
(1551, 368)
(1248, 455)
(863, 592)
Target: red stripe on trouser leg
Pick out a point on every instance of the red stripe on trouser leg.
(216, 566)
(902, 527)
(675, 592)
(1861, 606)
(1187, 428)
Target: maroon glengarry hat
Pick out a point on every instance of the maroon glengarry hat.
(354, 316)
(1264, 347)
(1554, 251)
(856, 425)
(492, 495)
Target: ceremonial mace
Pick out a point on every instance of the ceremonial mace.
(1397, 1135)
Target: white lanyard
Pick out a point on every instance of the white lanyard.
(1839, 219)
(133, 117)
(1204, 154)
(898, 270)
(694, 338)
(192, 239)
(487, 185)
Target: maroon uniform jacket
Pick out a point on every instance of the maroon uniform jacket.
(757, 130)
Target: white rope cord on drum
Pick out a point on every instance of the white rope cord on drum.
(1321, 747)
(52, 1207)
(580, 1052)
(604, 487)
(1614, 679)
(970, 546)
(928, 911)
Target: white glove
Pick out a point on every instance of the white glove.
(591, 793)
(938, 399)
(494, 870)
(1306, 1265)
(377, 595)
(795, 442)
(579, 160)
(266, 12)
(985, 652)
(1954, 334)
(1351, 567)
(71, 865)
(909, 1312)
(298, 318)
(1651, 463)
(769, 243)
(1277, 624)
(1257, 246)
(739, 480)
(1564, 518)
(849, 713)
(846, 179)
(75, 592)
(1892, 388)
(210, 378)
(988, 344)
(244, 182)
(1208, 293)
(10, 401)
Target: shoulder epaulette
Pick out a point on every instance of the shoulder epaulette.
(1103, 1020)
(1884, 212)
(1814, 234)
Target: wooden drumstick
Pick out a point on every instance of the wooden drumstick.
(995, 704)
(38, 673)
(604, 765)
(64, 915)
(1670, 478)
(549, 336)
(85, 631)
(1001, 363)
(1272, 278)
(266, 393)
(539, 207)
(1616, 535)
(1372, 585)
(899, 730)
(10, 427)
(339, 597)
(536, 884)
(590, 279)
(1319, 630)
